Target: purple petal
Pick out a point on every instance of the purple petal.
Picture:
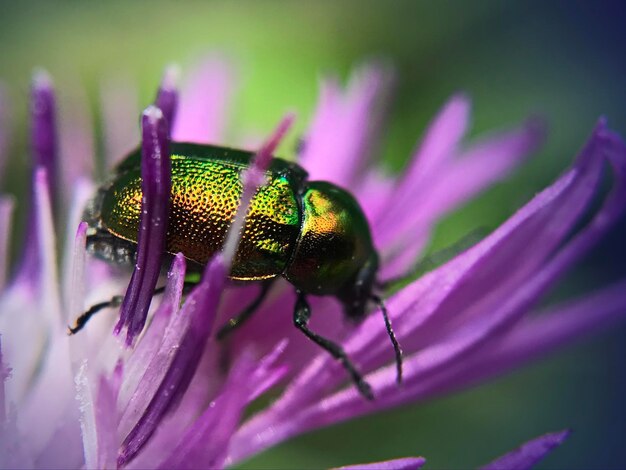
(407, 463)
(340, 138)
(46, 250)
(76, 143)
(524, 242)
(267, 373)
(482, 164)
(106, 418)
(535, 230)
(74, 253)
(528, 454)
(196, 322)
(4, 129)
(205, 443)
(252, 178)
(533, 339)
(458, 181)
(75, 286)
(167, 96)
(98, 418)
(119, 115)
(477, 297)
(4, 375)
(44, 154)
(156, 184)
(512, 304)
(143, 381)
(439, 144)
(43, 130)
(6, 213)
(204, 103)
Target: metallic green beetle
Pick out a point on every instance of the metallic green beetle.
(312, 233)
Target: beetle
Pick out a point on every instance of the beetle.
(312, 233)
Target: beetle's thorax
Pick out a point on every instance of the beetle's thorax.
(333, 247)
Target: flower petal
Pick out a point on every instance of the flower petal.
(44, 153)
(340, 138)
(205, 443)
(458, 181)
(6, 212)
(534, 338)
(466, 288)
(462, 284)
(509, 308)
(252, 178)
(528, 454)
(406, 463)
(119, 104)
(204, 103)
(439, 144)
(142, 381)
(4, 129)
(167, 96)
(98, 417)
(191, 330)
(43, 132)
(76, 144)
(156, 188)
(75, 251)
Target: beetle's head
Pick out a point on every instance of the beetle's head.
(100, 241)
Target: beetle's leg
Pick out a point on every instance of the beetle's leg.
(115, 301)
(238, 320)
(81, 321)
(301, 316)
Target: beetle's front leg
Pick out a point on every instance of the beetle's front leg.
(301, 316)
(115, 302)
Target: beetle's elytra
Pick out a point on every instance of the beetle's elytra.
(312, 233)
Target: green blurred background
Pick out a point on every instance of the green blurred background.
(565, 61)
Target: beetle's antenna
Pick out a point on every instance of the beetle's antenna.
(396, 346)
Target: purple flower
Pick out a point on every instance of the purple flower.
(176, 398)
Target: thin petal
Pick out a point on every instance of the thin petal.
(120, 109)
(4, 375)
(192, 331)
(537, 229)
(74, 254)
(44, 154)
(43, 131)
(439, 144)
(407, 463)
(481, 165)
(76, 143)
(253, 177)
(492, 309)
(6, 212)
(205, 443)
(533, 339)
(204, 103)
(106, 419)
(340, 138)
(167, 96)
(456, 182)
(528, 454)
(4, 129)
(489, 326)
(140, 380)
(267, 373)
(156, 187)
(75, 283)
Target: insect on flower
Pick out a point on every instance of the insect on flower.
(312, 233)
